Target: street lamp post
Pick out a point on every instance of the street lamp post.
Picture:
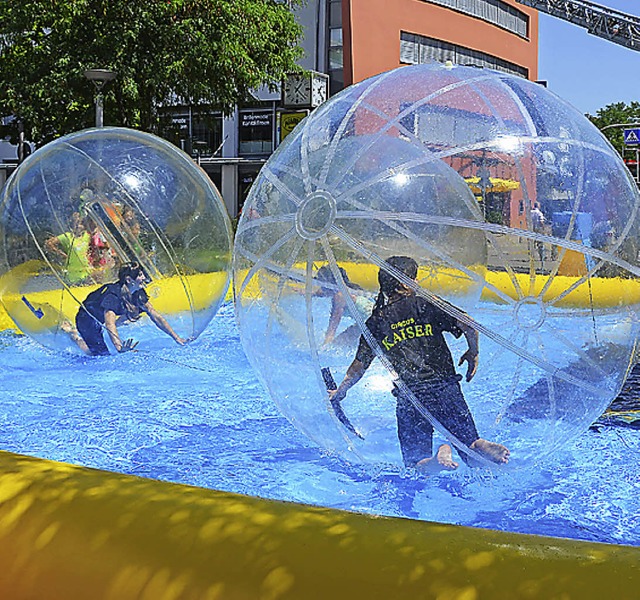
(99, 77)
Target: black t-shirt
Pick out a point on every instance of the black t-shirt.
(109, 297)
(410, 333)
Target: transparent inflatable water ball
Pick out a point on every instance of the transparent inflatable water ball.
(523, 224)
(86, 204)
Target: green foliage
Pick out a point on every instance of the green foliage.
(614, 114)
(198, 51)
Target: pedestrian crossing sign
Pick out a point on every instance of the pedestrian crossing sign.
(632, 137)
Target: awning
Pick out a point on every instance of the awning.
(496, 185)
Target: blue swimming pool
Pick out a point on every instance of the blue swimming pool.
(199, 416)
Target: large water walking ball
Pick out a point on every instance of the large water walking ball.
(85, 204)
(524, 223)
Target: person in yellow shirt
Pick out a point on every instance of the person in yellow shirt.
(74, 248)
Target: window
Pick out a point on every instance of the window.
(246, 176)
(417, 49)
(335, 47)
(197, 130)
(493, 11)
(336, 55)
(206, 134)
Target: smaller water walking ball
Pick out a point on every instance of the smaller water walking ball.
(523, 222)
(84, 205)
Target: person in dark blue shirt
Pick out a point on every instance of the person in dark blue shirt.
(124, 300)
(409, 331)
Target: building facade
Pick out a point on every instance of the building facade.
(351, 40)
(498, 34)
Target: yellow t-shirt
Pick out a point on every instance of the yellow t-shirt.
(77, 250)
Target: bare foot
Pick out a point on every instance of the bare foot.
(492, 451)
(442, 461)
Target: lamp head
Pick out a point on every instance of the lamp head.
(100, 77)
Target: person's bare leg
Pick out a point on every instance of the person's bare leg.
(492, 451)
(442, 461)
(68, 328)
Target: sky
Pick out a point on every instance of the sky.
(587, 71)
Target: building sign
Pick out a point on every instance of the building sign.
(288, 121)
(256, 132)
(255, 119)
(180, 122)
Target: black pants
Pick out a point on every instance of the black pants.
(445, 402)
(91, 331)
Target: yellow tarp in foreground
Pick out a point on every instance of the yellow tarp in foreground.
(68, 533)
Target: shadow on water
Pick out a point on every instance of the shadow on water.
(624, 411)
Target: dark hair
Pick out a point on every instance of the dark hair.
(325, 275)
(389, 283)
(404, 264)
(132, 269)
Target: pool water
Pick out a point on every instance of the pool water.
(198, 415)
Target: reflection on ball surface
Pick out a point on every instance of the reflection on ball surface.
(523, 221)
(89, 202)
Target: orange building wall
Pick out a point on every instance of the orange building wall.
(371, 34)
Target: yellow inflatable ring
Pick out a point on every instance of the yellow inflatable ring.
(168, 298)
(71, 533)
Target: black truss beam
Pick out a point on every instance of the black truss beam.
(606, 23)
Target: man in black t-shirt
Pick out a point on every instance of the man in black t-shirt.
(124, 300)
(409, 330)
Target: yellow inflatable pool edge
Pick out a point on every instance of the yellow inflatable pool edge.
(562, 291)
(573, 292)
(167, 297)
(68, 532)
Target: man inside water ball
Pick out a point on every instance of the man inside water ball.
(409, 330)
(104, 308)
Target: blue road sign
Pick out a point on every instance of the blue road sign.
(632, 137)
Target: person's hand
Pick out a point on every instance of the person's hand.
(181, 341)
(128, 346)
(471, 358)
(336, 396)
(328, 340)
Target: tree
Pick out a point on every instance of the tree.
(194, 51)
(613, 114)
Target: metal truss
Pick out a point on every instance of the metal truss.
(612, 25)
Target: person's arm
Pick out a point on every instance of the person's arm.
(338, 305)
(53, 244)
(471, 355)
(161, 323)
(354, 374)
(110, 325)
